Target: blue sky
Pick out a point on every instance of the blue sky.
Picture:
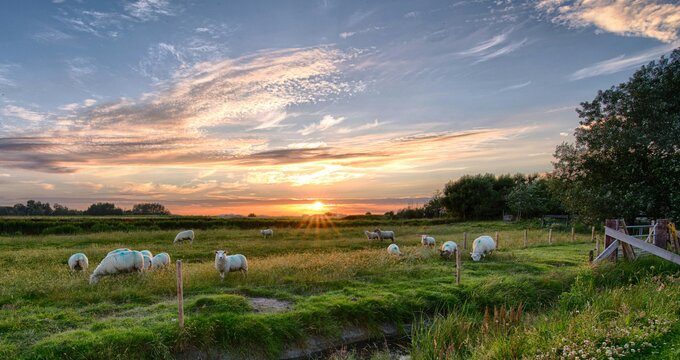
(228, 106)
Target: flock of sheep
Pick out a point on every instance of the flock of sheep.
(481, 246)
(125, 260)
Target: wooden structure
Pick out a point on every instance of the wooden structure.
(616, 234)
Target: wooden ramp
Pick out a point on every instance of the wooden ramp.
(629, 240)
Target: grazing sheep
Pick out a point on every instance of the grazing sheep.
(184, 235)
(427, 240)
(118, 262)
(78, 261)
(448, 248)
(147, 253)
(393, 249)
(371, 235)
(147, 261)
(482, 246)
(225, 263)
(267, 233)
(160, 261)
(117, 250)
(385, 234)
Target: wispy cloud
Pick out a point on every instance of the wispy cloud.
(146, 10)
(489, 49)
(622, 62)
(5, 70)
(366, 126)
(50, 35)
(502, 51)
(349, 34)
(645, 18)
(326, 122)
(514, 87)
(22, 113)
(175, 123)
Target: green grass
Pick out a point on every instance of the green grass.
(333, 277)
(612, 311)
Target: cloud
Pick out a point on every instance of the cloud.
(411, 14)
(485, 45)
(488, 49)
(196, 117)
(644, 18)
(514, 87)
(50, 35)
(146, 10)
(312, 145)
(327, 122)
(4, 75)
(622, 62)
(349, 34)
(366, 126)
(22, 113)
(80, 69)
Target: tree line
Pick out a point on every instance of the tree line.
(624, 162)
(37, 208)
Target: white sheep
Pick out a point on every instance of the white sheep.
(184, 235)
(78, 261)
(482, 246)
(267, 233)
(160, 261)
(117, 250)
(371, 235)
(385, 234)
(427, 240)
(393, 249)
(225, 263)
(147, 253)
(448, 248)
(118, 262)
(147, 262)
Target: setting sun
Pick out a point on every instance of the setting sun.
(317, 206)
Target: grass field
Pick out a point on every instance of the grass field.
(333, 278)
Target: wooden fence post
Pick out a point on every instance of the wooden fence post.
(180, 295)
(465, 240)
(614, 224)
(662, 234)
(592, 234)
(498, 244)
(525, 237)
(572, 234)
(457, 267)
(550, 237)
(590, 256)
(597, 245)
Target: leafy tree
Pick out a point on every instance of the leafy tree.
(473, 197)
(625, 160)
(149, 209)
(252, 215)
(100, 209)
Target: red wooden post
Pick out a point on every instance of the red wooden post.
(662, 233)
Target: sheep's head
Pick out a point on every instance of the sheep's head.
(220, 254)
(444, 253)
(476, 256)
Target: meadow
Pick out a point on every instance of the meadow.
(326, 279)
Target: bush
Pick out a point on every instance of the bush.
(62, 230)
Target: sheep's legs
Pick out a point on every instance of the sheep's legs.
(221, 276)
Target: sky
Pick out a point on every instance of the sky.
(233, 107)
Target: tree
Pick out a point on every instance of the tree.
(150, 209)
(100, 209)
(252, 215)
(625, 160)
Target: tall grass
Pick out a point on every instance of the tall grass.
(332, 277)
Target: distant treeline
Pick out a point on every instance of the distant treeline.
(37, 208)
(484, 197)
(53, 225)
